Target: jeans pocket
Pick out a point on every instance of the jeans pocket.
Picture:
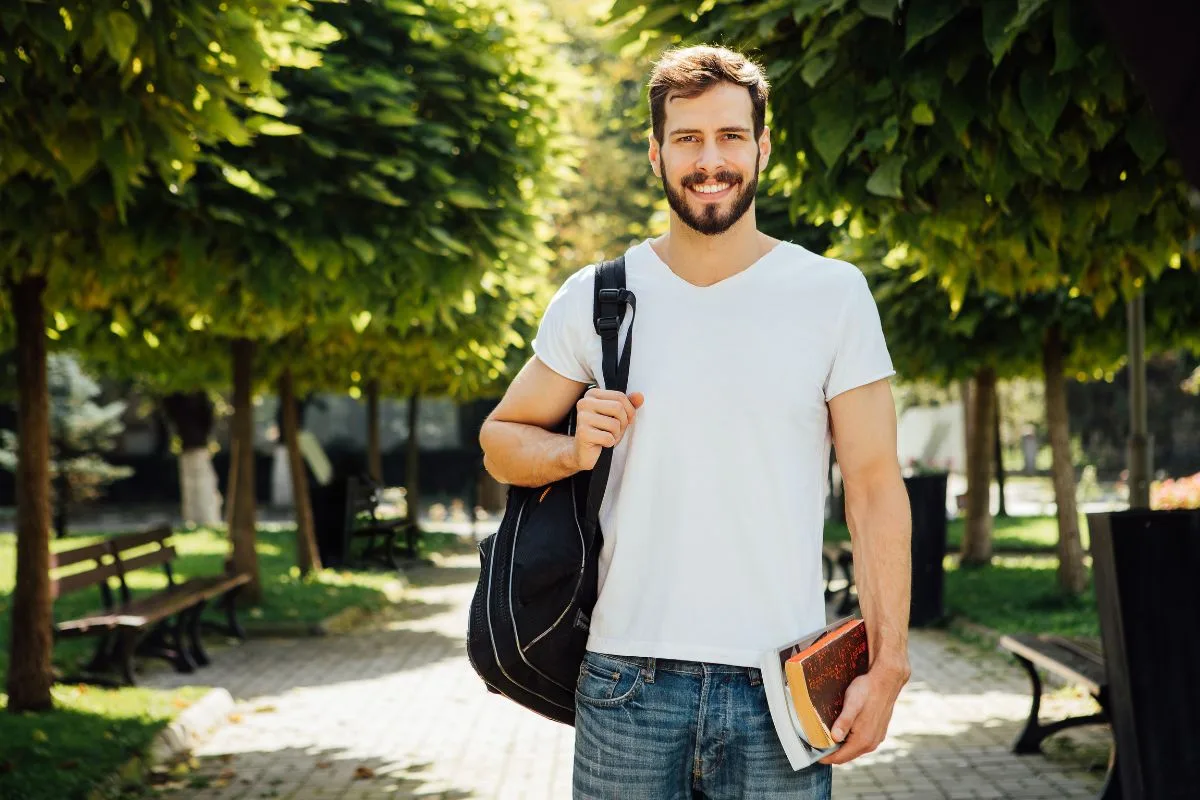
(607, 682)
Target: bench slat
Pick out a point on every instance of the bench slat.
(130, 541)
(89, 552)
(160, 556)
(171, 601)
(82, 580)
(1051, 654)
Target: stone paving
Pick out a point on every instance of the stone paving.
(395, 711)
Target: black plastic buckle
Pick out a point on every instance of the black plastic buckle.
(614, 295)
(609, 325)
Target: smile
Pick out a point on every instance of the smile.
(711, 191)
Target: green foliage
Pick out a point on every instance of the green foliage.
(102, 97)
(610, 195)
(425, 147)
(80, 432)
(1003, 142)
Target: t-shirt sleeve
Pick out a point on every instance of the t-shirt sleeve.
(560, 342)
(861, 355)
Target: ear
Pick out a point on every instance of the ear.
(764, 149)
(653, 155)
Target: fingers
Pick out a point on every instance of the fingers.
(856, 698)
(608, 402)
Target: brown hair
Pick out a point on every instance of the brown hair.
(689, 71)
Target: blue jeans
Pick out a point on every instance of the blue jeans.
(653, 729)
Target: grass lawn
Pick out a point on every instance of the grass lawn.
(1018, 592)
(62, 754)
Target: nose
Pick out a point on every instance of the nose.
(710, 158)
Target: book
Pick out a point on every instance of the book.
(817, 678)
(802, 696)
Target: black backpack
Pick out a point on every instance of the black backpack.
(532, 608)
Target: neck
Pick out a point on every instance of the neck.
(705, 260)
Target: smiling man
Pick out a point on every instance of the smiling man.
(753, 356)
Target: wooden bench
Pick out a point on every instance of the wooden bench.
(839, 557)
(165, 624)
(362, 521)
(1079, 661)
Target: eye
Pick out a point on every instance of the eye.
(686, 138)
(733, 135)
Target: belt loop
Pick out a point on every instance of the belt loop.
(648, 670)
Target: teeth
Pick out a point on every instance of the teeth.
(711, 188)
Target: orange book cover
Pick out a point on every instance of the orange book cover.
(817, 678)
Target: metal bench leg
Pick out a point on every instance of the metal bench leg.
(182, 659)
(193, 633)
(127, 641)
(235, 627)
(1030, 739)
(101, 660)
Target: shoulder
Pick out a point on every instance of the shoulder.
(811, 267)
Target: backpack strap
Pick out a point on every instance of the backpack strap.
(608, 313)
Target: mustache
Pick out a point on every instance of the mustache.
(721, 176)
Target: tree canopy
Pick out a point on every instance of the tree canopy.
(1002, 142)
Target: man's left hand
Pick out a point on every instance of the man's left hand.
(866, 712)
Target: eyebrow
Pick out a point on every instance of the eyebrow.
(727, 129)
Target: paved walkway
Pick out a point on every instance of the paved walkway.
(395, 711)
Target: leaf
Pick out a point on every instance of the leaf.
(467, 198)
(833, 132)
(922, 114)
(926, 18)
(816, 67)
(1043, 98)
(998, 35)
(1067, 51)
(1026, 9)
(1145, 137)
(146, 7)
(120, 34)
(882, 9)
(277, 128)
(361, 247)
(885, 180)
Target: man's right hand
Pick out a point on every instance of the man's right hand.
(601, 418)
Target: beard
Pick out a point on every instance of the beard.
(710, 221)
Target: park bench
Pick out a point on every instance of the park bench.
(165, 623)
(362, 521)
(1081, 663)
(839, 557)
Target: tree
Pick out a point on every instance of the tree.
(80, 432)
(1003, 142)
(99, 99)
(1051, 334)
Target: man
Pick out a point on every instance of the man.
(750, 354)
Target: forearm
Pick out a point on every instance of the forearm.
(881, 532)
(526, 455)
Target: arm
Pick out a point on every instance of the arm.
(877, 511)
(518, 447)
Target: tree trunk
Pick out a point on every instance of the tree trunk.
(998, 445)
(1072, 576)
(374, 452)
(977, 538)
(29, 672)
(242, 520)
(191, 417)
(412, 491)
(306, 540)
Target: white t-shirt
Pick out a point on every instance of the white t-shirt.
(713, 515)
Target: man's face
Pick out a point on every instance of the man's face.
(709, 160)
